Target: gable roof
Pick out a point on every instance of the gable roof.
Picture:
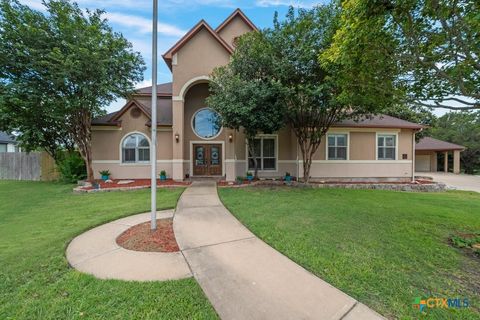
(237, 13)
(431, 144)
(190, 34)
(164, 112)
(379, 121)
(7, 138)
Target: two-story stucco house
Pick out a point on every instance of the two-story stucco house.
(190, 145)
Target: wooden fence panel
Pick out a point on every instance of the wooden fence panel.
(20, 166)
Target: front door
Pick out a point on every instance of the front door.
(207, 159)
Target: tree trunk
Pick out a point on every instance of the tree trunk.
(307, 164)
(83, 138)
(251, 149)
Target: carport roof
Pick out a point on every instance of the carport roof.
(431, 144)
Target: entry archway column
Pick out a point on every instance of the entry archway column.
(178, 132)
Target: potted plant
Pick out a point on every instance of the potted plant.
(105, 175)
(240, 180)
(163, 175)
(288, 177)
(249, 176)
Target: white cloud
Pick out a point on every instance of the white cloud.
(144, 83)
(294, 3)
(34, 4)
(143, 25)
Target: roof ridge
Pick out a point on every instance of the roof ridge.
(236, 12)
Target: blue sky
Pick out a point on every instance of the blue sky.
(133, 19)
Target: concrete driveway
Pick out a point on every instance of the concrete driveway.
(455, 181)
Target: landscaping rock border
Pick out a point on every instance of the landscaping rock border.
(408, 187)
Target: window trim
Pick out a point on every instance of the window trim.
(262, 136)
(395, 134)
(348, 144)
(193, 128)
(136, 162)
(6, 147)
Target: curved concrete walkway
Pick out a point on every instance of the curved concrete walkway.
(96, 252)
(242, 276)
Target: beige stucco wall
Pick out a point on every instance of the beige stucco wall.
(235, 28)
(198, 57)
(106, 148)
(363, 143)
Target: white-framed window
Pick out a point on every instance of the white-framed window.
(386, 146)
(337, 146)
(135, 149)
(266, 153)
(3, 147)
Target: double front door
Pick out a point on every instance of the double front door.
(207, 159)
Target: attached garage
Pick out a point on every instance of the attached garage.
(422, 163)
(427, 150)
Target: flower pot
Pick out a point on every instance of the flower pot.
(288, 178)
(250, 178)
(163, 178)
(105, 178)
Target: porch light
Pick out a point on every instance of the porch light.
(177, 137)
(230, 137)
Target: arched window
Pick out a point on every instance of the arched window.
(135, 149)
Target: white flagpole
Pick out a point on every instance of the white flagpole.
(153, 147)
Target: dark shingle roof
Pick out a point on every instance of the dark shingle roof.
(162, 89)
(7, 138)
(379, 121)
(105, 119)
(431, 144)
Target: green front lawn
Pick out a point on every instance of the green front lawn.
(37, 220)
(383, 248)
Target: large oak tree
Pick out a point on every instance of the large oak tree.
(58, 70)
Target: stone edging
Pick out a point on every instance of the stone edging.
(433, 187)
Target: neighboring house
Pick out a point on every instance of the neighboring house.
(426, 155)
(8, 143)
(189, 143)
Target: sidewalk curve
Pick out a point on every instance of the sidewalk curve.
(96, 252)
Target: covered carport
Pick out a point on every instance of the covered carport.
(427, 151)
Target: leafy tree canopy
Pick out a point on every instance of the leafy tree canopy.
(245, 94)
(418, 52)
(57, 72)
(462, 128)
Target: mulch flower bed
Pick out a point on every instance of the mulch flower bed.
(135, 184)
(142, 238)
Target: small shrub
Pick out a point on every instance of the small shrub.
(249, 174)
(470, 242)
(465, 241)
(163, 173)
(72, 167)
